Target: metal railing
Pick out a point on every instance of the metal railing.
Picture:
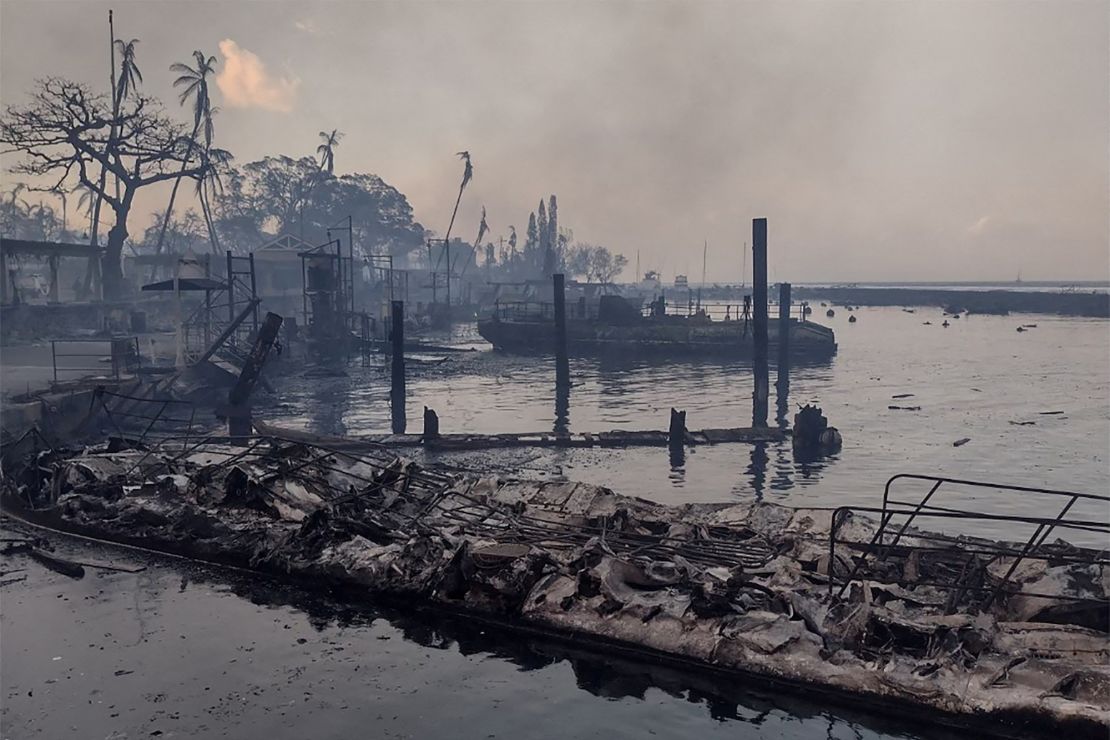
(145, 416)
(122, 353)
(958, 564)
(524, 311)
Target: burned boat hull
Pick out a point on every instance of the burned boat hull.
(734, 588)
(670, 336)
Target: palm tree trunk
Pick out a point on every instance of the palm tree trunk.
(213, 236)
(173, 193)
(92, 268)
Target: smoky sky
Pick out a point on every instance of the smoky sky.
(883, 141)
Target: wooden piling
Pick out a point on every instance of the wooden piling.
(562, 364)
(397, 386)
(761, 390)
(676, 435)
(431, 424)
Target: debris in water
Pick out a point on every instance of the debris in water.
(961, 442)
(935, 621)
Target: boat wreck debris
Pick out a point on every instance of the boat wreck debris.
(835, 601)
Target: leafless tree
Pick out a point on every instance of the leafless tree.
(68, 132)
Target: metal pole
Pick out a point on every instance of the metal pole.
(230, 289)
(759, 299)
(351, 263)
(254, 293)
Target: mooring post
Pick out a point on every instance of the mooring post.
(397, 387)
(676, 436)
(431, 424)
(759, 300)
(562, 364)
(676, 439)
(782, 385)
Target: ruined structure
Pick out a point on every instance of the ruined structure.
(964, 630)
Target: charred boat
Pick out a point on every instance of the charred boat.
(613, 324)
(857, 605)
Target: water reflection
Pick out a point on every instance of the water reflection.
(329, 400)
(757, 468)
(596, 673)
(562, 408)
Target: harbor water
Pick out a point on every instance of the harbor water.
(1034, 407)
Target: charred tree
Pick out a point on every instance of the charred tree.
(67, 131)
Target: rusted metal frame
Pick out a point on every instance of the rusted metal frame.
(192, 417)
(100, 396)
(1052, 523)
(1034, 541)
(909, 520)
(161, 443)
(939, 513)
(706, 551)
(834, 527)
(979, 550)
(153, 421)
(982, 484)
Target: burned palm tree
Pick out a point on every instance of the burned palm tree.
(195, 84)
(468, 175)
(128, 81)
(129, 74)
(326, 150)
(217, 162)
(483, 229)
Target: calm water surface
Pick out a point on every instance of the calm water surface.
(1035, 406)
(180, 651)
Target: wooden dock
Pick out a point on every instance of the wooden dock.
(613, 439)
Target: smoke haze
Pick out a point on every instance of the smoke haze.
(883, 141)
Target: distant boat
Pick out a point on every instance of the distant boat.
(830, 313)
(851, 319)
(617, 325)
(680, 281)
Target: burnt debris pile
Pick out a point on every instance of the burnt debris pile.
(956, 626)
